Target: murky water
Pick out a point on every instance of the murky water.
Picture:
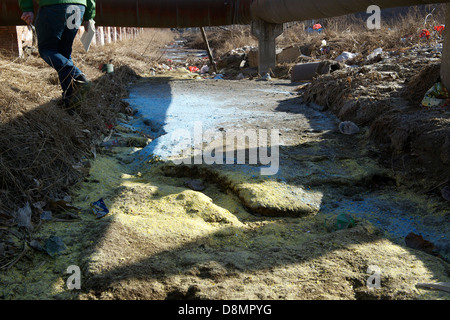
(233, 104)
(178, 53)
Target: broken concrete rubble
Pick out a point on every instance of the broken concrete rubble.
(308, 71)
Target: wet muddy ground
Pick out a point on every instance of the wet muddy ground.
(218, 231)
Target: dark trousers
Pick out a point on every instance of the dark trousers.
(56, 28)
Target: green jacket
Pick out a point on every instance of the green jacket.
(27, 6)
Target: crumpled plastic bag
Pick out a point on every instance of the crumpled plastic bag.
(99, 208)
(194, 69)
(439, 29)
(54, 246)
(436, 97)
(425, 34)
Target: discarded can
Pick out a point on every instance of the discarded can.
(108, 68)
(344, 221)
(340, 222)
(99, 208)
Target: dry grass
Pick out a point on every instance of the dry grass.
(222, 40)
(39, 142)
(345, 33)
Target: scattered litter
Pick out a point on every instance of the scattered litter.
(436, 97)
(204, 69)
(439, 29)
(46, 216)
(107, 68)
(193, 69)
(218, 77)
(165, 67)
(99, 208)
(339, 222)
(406, 37)
(110, 143)
(266, 77)
(346, 56)
(317, 27)
(344, 221)
(54, 246)
(196, 185)
(375, 53)
(417, 242)
(442, 286)
(240, 76)
(348, 127)
(425, 34)
(24, 217)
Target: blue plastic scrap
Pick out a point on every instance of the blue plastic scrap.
(99, 209)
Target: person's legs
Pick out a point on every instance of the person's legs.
(56, 30)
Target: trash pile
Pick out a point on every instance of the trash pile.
(436, 97)
(397, 95)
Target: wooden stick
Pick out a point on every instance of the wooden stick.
(442, 286)
(12, 263)
(208, 49)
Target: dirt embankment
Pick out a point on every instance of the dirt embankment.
(386, 97)
(39, 142)
(44, 150)
(384, 93)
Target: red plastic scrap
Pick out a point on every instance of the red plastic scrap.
(317, 26)
(193, 69)
(440, 29)
(425, 34)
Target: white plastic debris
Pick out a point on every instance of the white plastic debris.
(346, 56)
(23, 217)
(266, 77)
(375, 53)
(204, 69)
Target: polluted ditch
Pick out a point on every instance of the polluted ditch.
(154, 220)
